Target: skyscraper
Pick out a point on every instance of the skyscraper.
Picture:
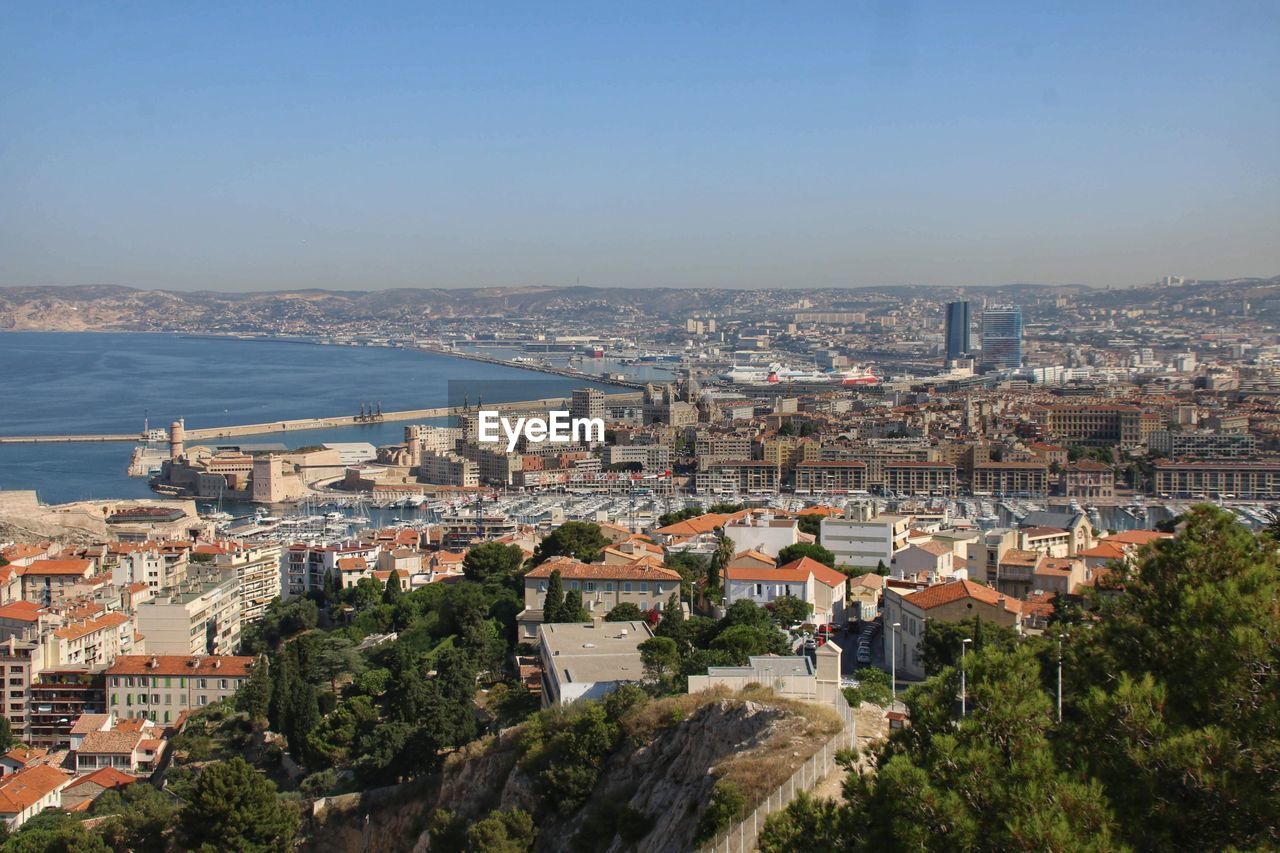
(957, 331)
(1002, 336)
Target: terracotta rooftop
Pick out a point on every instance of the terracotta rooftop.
(58, 567)
(22, 790)
(21, 611)
(945, 593)
(570, 569)
(106, 777)
(820, 571)
(221, 666)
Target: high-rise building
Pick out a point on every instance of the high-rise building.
(1002, 336)
(957, 332)
(587, 403)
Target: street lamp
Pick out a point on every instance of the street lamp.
(893, 666)
(964, 709)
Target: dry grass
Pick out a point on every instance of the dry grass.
(797, 733)
(758, 772)
(642, 724)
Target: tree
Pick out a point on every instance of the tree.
(1174, 706)
(874, 686)
(6, 734)
(503, 832)
(624, 612)
(812, 550)
(987, 782)
(392, 593)
(720, 560)
(660, 658)
(553, 603)
(493, 561)
(336, 656)
(669, 518)
(810, 523)
(54, 832)
(234, 807)
(796, 826)
(253, 697)
(940, 645)
(581, 540)
(141, 817)
(789, 610)
(573, 610)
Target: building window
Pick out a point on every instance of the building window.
(608, 586)
(644, 587)
(626, 586)
(591, 586)
(204, 700)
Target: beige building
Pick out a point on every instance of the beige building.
(947, 602)
(1089, 480)
(160, 687)
(920, 478)
(201, 618)
(603, 587)
(257, 571)
(589, 661)
(837, 475)
(1010, 478)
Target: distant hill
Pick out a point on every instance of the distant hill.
(111, 307)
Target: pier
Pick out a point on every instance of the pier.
(207, 433)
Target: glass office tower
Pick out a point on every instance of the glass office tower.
(1002, 336)
(957, 331)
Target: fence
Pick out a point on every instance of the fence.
(741, 836)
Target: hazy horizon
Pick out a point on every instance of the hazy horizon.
(251, 148)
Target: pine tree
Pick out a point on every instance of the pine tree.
(254, 696)
(572, 609)
(393, 594)
(234, 807)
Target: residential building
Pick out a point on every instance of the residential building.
(1252, 480)
(1205, 444)
(1011, 478)
(589, 661)
(643, 582)
(50, 581)
(160, 687)
(764, 533)
(739, 477)
(824, 589)
(201, 618)
(59, 697)
(27, 793)
(920, 478)
(257, 570)
(836, 475)
(954, 601)
(863, 539)
(1092, 425)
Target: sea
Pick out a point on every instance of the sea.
(67, 383)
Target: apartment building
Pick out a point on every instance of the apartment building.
(830, 476)
(305, 566)
(824, 589)
(953, 601)
(1011, 478)
(739, 477)
(51, 581)
(20, 661)
(1247, 480)
(257, 571)
(201, 618)
(160, 687)
(1205, 444)
(863, 539)
(448, 469)
(764, 533)
(643, 582)
(650, 457)
(920, 478)
(57, 698)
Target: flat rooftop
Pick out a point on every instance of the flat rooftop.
(584, 653)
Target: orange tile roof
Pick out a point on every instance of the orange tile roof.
(21, 611)
(570, 569)
(221, 666)
(22, 790)
(820, 571)
(86, 723)
(23, 754)
(700, 524)
(81, 629)
(1137, 537)
(945, 593)
(58, 567)
(753, 554)
(106, 777)
(1106, 550)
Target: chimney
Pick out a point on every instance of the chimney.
(153, 663)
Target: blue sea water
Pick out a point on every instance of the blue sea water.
(85, 383)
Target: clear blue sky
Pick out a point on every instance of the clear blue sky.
(261, 145)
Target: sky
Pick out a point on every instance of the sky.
(262, 145)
